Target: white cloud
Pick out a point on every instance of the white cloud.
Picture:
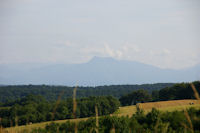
(119, 54)
(123, 51)
(160, 52)
(131, 47)
(166, 51)
(92, 51)
(109, 51)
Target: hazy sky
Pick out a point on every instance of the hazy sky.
(164, 33)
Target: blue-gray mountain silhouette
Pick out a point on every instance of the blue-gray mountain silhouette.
(98, 71)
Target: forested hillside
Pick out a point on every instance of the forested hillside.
(11, 93)
(179, 91)
(34, 109)
(175, 92)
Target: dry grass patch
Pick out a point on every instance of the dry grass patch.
(39, 125)
(162, 106)
(126, 111)
(165, 104)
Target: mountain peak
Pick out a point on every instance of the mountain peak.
(98, 71)
(102, 59)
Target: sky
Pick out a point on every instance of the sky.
(163, 33)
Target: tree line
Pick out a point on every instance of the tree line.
(35, 109)
(14, 92)
(175, 92)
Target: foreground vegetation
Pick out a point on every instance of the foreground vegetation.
(154, 121)
(151, 122)
(167, 106)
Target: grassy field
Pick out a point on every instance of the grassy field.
(162, 106)
(4, 107)
(124, 111)
(38, 125)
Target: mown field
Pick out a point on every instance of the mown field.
(172, 105)
(124, 111)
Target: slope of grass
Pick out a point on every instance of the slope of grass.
(162, 106)
(39, 125)
(5, 107)
(165, 104)
(124, 111)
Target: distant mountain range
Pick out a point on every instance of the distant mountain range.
(98, 71)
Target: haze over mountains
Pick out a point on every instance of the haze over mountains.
(98, 71)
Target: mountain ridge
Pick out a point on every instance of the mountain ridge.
(98, 71)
